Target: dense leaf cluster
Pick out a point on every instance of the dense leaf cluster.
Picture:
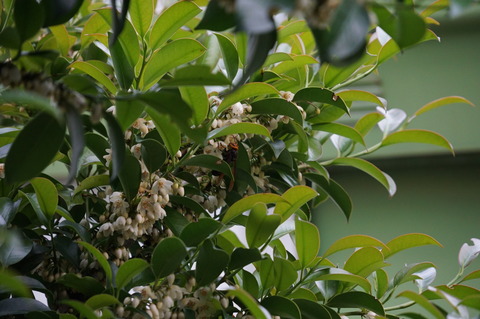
(196, 138)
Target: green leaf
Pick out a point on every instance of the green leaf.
(299, 61)
(100, 301)
(127, 111)
(170, 56)
(409, 29)
(381, 282)
(168, 256)
(95, 25)
(188, 203)
(340, 129)
(473, 275)
(312, 310)
(242, 257)
(281, 306)
(472, 301)
(238, 128)
(284, 273)
(32, 199)
(130, 176)
(365, 261)
(250, 303)
(211, 263)
(367, 122)
(196, 75)
(196, 232)
(42, 136)
(359, 95)
(87, 286)
(141, 13)
(408, 241)
(247, 203)
(169, 132)
(321, 95)
(423, 302)
(295, 198)
(307, 241)
(77, 141)
(47, 195)
(29, 17)
(211, 162)
(370, 169)
(13, 284)
(128, 270)
(117, 145)
(357, 299)
(30, 99)
(170, 21)
(441, 102)
(417, 136)
(8, 209)
(14, 246)
(277, 57)
(354, 241)
(246, 91)
(154, 154)
(124, 71)
(20, 306)
(92, 182)
(79, 229)
(348, 278)
(100, 258)
(334, 190)
(59, 11)
(84, 310)
(408, 272)
(230, 55)
(95, 73)
(260, 225)
(216, 18)
(277, 106)
(196, 97)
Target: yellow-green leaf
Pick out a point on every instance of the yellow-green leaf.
(409, 241)
(354, 241)
(47, 195)
(441, 102)
(417, 136)
(247, 203)
(95, 73)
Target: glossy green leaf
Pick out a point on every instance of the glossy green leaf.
(196, 232)
(284, 273)
(47, 195)
(30, 99)
(124, 71)
(8, 209)
(100, 258)
(170, 21)
(211, 263)
(59, 11)
(370, 169)
(188, 203)
(321, 95)
(32, 199)
(357, 299)
(410, 28)
(127, 111)
(246, 91)
(295, 198)
(79, 229)
(408, 272)
(42, 136)
(250, 303)
(247, 203)
(314, 310)
(291, 28)
(242, 257)
(14, 246)
(77, 141)
(168, 256)
(101, 300)
(29, 18)
(130, 176)
(277, 57)
(169, 132)
(354, 241)
(260, 225)
(359, 95)
(381, 282)
(211, 162)
(84, 310)
(128, 270)
(423, 302)
(441, 102)
(267, 275)
(154, 154)
(141, 13)
(216, 17)
(196, 75)
(86, 285)
(299, 61)
(334, 190)
(417, 136)
(94, 26)
(473, 275)
(281, 306)
(117, 145)
(196, 97)
(20, 306)
(170, 56)
(307, 241)
(239, 128)
(367, 122)
(277, 106)
(303, 293)
(407, 241)
(229, 54)
(92, 182)
(95, 73)
(348, 278)
(340, 129)
(365, 261)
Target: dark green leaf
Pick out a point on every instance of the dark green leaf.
(175, 221)
(195, 75)
(246, 91)
(281, 306)
(277, 106)
(29, 17)
(9, 38)
(42, 136)
(410, 28)
(320, 95)
(79, 229)
(8, 209)
(196, 232)
(167, 256)
(14, 246)
(98, 256)
(238, 128)
(77, 140)
(84, 310)
(117, 143)
(188, 203)
(242, 257)
(20, 306)
(211, 263)
(357, 299)
(169, 132)
(284, 273)
(216, 17)
(123, 69)
(30, 99)
(87, 286)
(257, 311)
(68, 248)
(32, 199)
(97, 144)
(130, 176)
(313, 310)
(88, 67)
(14, 284)
(230, 55)
(128, 270)
(154, 154)
(211, 162)
(59, 11)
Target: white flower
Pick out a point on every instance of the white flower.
(287, 95)
(237, 109)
